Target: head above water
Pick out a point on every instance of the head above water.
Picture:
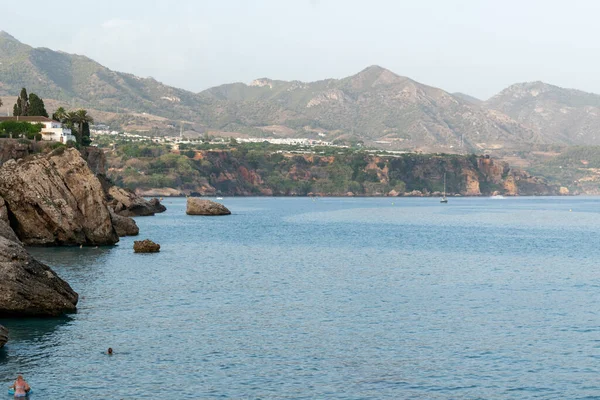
(19, 377)
(110, 350)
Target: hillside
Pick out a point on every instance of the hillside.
(564, 116)
(75, 80)
(261, 169)
(372, 106)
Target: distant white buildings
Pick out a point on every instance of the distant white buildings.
(51, 130)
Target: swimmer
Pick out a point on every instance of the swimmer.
(21, 387)
(109, 351)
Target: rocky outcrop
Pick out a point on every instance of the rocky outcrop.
(124, 226)
(55, 199)
(29, 288)
(196, 206)
(3, 336)
(95, 159)
(11, 149)
(128, 204)
(145, 246)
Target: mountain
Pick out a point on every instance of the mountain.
(75, 79)
(468, 98)
(565, 116)
(375, 105)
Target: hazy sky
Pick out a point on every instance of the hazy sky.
(475, 46)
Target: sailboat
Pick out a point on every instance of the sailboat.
(444, 199)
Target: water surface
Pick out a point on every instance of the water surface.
(359, 298)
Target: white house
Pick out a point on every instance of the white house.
(51, 130)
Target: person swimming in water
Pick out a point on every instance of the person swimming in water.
(110, 351)
(21, 387)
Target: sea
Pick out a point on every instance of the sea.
(329, 298)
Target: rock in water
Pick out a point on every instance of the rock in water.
(196, 206)
(29, 288)
(129, 204)
(3, 336)
(145, 246)
(56, 199)
(124, 226)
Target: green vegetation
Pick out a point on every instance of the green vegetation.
(32, 105)
(263, 168)
(16, 129)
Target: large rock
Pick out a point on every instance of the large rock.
(145, 246)
(29, 288)
(124, 226)
(196, 206)
(56, 199)
(129, 204)
(3, 336)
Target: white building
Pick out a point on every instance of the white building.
(51, 130)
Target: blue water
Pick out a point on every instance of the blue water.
(361, 298)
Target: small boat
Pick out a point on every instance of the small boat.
(444, 199)
(219, 198)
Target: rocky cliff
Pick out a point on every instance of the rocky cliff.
(55, 199)
(244, 173)
(29, 288)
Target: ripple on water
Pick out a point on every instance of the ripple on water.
(332, 298)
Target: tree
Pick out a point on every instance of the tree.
(59, 115)
(22, 106)
(36, 106)
(70, 120)
(82, 117)
(85, 134)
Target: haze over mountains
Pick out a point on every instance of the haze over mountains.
(375, 106)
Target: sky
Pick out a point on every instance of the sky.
(478, 47)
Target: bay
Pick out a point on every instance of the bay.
(337, 298)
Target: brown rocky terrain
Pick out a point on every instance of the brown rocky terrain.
(559, 115)
(29, 288)
(145, 246)
(196, 206)
(56, 199)
(240, 173)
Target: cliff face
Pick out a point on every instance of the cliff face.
(56, 199)
(29, 288)
(239, 173)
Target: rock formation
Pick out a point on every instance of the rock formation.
(124, 226)
(128, 204)
(145, 246)
(196, 206)
(56, 199)
(122, 201)
(29, 288)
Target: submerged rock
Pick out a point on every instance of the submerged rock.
(29, 288)
(145, 246)
(124, 226)
(55, 199)
(196, 206)
(129, 204)
(3, 336)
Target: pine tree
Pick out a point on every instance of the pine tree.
(22, 106)
(36, 106)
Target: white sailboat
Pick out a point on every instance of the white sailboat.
(444, 199)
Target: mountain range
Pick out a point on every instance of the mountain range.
(375, 106)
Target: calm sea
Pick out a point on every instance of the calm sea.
(294, 298)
